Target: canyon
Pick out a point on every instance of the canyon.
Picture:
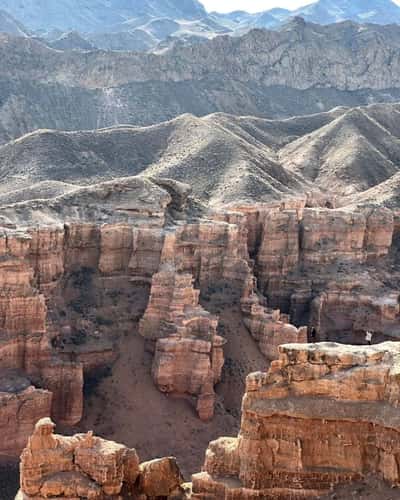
(199, 252)
(85, 272)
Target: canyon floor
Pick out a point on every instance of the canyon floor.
(162, 425)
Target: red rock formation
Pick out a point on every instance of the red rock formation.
(25, 345)
(21, 406)
(271, 329)
(323, 414)
(188, 355)
(64, 284)
(339, 310)
(51, 274)
(211, 251)
(85, 466)
(301, 239)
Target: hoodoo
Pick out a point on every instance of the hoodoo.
(86, 466)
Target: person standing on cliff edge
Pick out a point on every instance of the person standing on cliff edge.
(368, 337)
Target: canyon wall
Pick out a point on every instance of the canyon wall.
(77, 273)
(320, 267)
(323, 414)
(60, 284)
(303, 239)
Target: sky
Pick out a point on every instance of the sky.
(254, 5)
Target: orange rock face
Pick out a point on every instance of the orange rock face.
(25, 344)
(337, 310)
(293, 239)
(188, 355)
(54, 279)
(20, 405)
(85, 466)
(271, 329)
(322, 415)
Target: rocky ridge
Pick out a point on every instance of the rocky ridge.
(346, 157)
(348, 65)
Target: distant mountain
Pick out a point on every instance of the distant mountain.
(157, 25)
(302, 68)
(320, 12)
(97, 15)
(11, 26)
(361, 11)
(140, 25)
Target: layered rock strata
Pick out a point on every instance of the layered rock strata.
(76, 272)
(323, 414)
(86, 466)
(339, 309)
(311, 262)
(300, 239)
(188, 353)
(270, 328)
(62, 269)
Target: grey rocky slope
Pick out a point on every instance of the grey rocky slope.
(344, 56)
(149, 25)
(349, 154)
(302, 69)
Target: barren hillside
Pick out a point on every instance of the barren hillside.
(353, 154)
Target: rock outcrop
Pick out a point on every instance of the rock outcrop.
(188, 354)
(270, 328)
(301, 239)
(324, 414)
(86, 466)
(21, 406)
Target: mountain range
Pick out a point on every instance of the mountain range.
(320, 12)
(301, 69)
(155, 25)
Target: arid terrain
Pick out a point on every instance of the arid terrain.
(199, 252)
(348, 155)
(301, 69)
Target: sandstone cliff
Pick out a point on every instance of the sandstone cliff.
(323, 414)
(188, 353)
